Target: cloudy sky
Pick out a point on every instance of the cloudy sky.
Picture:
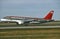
(33, 8)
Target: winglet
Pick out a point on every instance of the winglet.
(49, 15)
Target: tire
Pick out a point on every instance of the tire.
(17, 23)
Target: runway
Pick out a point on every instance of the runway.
(28, 27)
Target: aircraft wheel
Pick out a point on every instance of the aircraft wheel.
(17, 23)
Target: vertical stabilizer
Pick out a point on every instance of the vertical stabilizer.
(49, 15)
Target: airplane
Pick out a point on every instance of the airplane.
(23, 20)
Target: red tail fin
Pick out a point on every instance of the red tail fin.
(49, 15)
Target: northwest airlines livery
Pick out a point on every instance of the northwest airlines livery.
(23, 20)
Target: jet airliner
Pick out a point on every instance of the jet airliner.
(23, 20)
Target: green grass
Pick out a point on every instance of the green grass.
(30, 34)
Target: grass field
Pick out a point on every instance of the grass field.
(30, 34)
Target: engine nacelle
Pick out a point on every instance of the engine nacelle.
(19, 22)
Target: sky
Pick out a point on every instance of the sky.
(30, 8)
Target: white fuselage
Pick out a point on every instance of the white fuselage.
(11, 20)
